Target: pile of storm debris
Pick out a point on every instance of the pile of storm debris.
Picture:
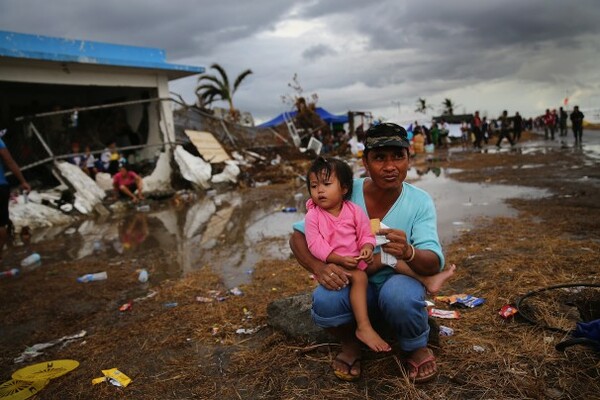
(180, 168)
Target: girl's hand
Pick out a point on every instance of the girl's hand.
(349, 262)
(366, 254)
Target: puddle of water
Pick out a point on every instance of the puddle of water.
(235, 230)
(459, 203)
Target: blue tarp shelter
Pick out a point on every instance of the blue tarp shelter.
(324, 114)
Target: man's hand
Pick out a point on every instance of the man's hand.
(25, 187)
(398, 245)
(332, 277)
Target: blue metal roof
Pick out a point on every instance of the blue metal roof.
(38, 47)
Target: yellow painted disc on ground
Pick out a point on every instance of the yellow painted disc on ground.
(46, 370)
(20, 390)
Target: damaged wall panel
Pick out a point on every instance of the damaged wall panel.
(209, 147)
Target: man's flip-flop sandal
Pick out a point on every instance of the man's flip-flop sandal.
(417, 366)
(346, 376)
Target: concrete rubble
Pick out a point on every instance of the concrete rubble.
(48, 208)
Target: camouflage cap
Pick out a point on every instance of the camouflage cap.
(386, 134)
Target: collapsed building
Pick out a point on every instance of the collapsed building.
(58, 91)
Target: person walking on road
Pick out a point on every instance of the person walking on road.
(504, 130)
(577, 124)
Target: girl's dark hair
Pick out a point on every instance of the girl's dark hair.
(328, 165)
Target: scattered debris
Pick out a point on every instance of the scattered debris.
(10, 273)
(461, 299)
(114, 377)
(508, 311)
(249, 331)
(446, 331)
(127, 306)
(146, 297)
(98, 276)
(143, 275)
(445, 314)
(45, 370)
(34, 351)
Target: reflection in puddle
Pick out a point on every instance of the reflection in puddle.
(459, 203)
(235, 230)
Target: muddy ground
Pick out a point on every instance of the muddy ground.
(192, 351)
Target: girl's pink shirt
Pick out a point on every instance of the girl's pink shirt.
(343, 235)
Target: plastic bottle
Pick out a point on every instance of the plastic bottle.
(74, 119)
(143, 208)
(30, 260)
(289, 209)
(98, 276)
(9, 273)
(143, 275)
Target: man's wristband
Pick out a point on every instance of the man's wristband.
(412, 256)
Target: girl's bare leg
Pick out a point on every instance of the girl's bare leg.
(358, 299)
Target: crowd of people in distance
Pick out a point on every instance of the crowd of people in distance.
(552, 122)
(126, 183)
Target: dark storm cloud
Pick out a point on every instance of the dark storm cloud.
(471, 34)
(360, 51)
(317, 51)
(186, 28)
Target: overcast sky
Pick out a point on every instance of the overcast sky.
(378, 56)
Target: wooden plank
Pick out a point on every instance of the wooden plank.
(208, 146)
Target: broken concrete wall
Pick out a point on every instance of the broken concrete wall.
(193, 168)
(87, 193)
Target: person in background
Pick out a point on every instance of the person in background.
(562, 121)
(6, 161)
(549, 124)
(504, 129)
(485, 130)
(476, 126)
(75, 157)
(517, 127)
(109, 159)
(127, 183)
(89, 163)
(577, 124)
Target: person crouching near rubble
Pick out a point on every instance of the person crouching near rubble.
(128, 183)
(394, 294)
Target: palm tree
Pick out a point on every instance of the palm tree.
(212, 88)
(422, 106)
(449, 106)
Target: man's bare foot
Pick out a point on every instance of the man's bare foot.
(434, 283)
(372, 339)
(421, 365)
